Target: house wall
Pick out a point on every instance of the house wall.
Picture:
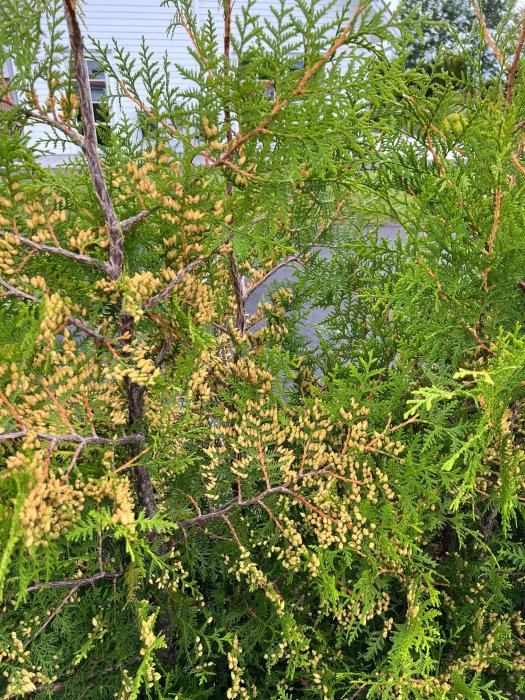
(129, 20)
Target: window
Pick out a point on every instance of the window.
(98, 86)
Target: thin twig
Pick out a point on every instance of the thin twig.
(511, 79)
(75, 439)
(239, 289)
(174, 282)
(77, 582)
(495, 224)
(490, 41)
(282, 489)
(492, 238)
(73, 134)
(52, 616)
(286, 261)
(178, 279)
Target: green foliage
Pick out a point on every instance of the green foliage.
(196, 503)
(449, 25)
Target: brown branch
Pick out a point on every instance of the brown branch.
(517, 163)
(492, 238)
(77, 582)
(73, 134)
(77, 322)
(144, 489)
(273, 517)
(91, 332)
(73, 461)
(58, 407)
(174, 282)
(180, 276)
(437, 159)
(174, 132)
(13, 291)
(495, 224)
(233, 531)
(511, 79)
(286, 261)
(281, 103)
(434, 278)
(473, 332)
(239, 291)
(164, 351)
(260, 453)
(194, 41)
(490, 41)
(127, 224)
(75, 439)
(90, 149)
(132, 461)
(282, 489)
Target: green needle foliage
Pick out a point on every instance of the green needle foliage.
(194, 503)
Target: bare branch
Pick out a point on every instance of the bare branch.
(91, 332)
(511, 79)
(15, 292)
(52, 616)
(127, 224)
(74, 438)
(73, 134)
(90, 140)
(79, 257)
(286, 261)
(180, 276)
(77, 582)
(239, 289)
(174, 132)
(78, 323)
(174, 282)
(225, 508)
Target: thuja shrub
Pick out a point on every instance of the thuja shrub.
(193, 503)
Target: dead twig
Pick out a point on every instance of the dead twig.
(77, 582)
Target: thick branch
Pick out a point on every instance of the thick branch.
(90, 140)
(141, 477)
(239, 291)
(79, 257)
(128, 224)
